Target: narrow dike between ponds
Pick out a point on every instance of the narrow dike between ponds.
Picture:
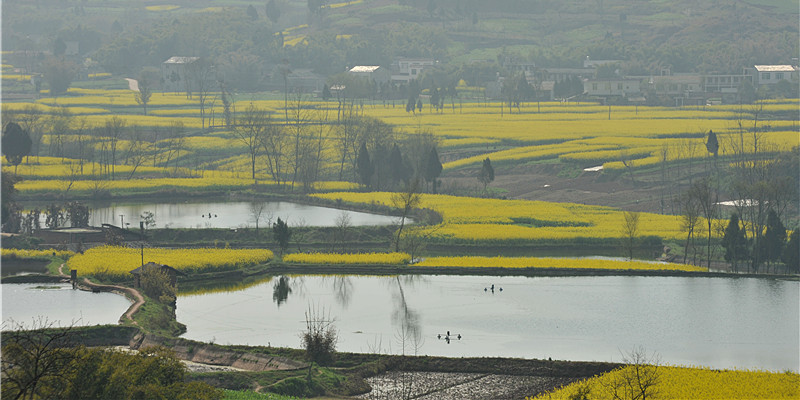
(130, 293)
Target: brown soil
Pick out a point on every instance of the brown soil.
(553, 182)
(459, 386)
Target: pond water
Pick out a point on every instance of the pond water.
(230, 214)
(715, 322)
(60, 305)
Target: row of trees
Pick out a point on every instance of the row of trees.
(81, 146)
(765, 194)
(359, 148)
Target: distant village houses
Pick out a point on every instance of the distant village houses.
(175, 74)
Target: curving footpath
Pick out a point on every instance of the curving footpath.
(131, 293)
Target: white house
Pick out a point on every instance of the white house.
(174, 73)
(406, 70)
(374, 73)
(772, 74)
(678, 84)
(612, 87)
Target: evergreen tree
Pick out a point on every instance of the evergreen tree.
(364, 165)
(486, 175)
(282, 234)
(775, 237)
(791, 253)
(433, 167)
(396, 168)
(326, 93)
(16, 143)
(734, 242)
(712, 145)
(273, 11)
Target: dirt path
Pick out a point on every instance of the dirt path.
(131, 293)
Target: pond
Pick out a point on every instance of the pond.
(226, 214)
(59, 304)
(715, 322)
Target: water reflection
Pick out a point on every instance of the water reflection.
(342, 289)
(227, 214)
(281, 290)
(721, 323)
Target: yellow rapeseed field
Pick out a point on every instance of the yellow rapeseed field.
(28, 254)
(697, 384)
(338, 258)
(121, 260)
(549, 262)
(480, 220)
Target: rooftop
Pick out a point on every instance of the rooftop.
(775, 68)
(181, 60)
(364, 68)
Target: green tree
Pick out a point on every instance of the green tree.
(734, 242)
(364, 165)
(320, 338)
(433, 167)
(486, 176)
(747, 92)
(273, 11)
(59, 74)
(712, 144)
(157, 284)
(326, 93)
(35, 360)
(78, 214)
(252, 12)
(282, 234)
(16, 143)
(791, 253)
(152, 373)
(774, 238)
(10, 209)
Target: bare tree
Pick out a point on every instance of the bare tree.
(690, 217)
(342, 230)
(137, 150)
(345, 135)
(175, 142)
(112, 132)
(702, 191)
(630, 231)
(58, 121)
(273, 144)
(258, 211)
(34, 360)
(296, 128)
(638, 380)
(146, 83)
(320, 337)
(250, 130)
(406, 200)
(199, 77)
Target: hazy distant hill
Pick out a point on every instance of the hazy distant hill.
(683, 35)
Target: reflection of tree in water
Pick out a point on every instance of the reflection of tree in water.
(343, 290)
(406, 319)
(281, 290)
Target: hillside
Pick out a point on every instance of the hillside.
(683, 35)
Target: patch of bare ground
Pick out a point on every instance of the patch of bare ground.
(458, 386)
(565, 184)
